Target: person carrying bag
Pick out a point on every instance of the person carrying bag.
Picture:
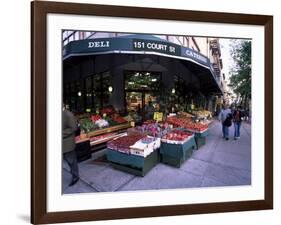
(225, 117)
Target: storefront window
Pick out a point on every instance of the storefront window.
(66, 94)
(180, 95)
(97, 100)
(101, 84)
(88, 92)
(72, 102)
(106, 81)
(80, 96)
(200, 101)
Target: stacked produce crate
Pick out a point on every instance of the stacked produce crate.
(200, 130)
(135, 153)
(176, 147)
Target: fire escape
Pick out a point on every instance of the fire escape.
(216, 53)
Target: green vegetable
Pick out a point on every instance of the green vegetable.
(87, 125)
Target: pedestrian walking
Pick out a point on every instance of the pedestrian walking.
(225, 116)
(69, 127)
(238, 116)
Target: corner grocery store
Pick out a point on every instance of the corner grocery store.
(106, 79)
(131, 70)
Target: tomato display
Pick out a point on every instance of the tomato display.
(123, 144)
(188, 124)
(177, 135)
(117, 118)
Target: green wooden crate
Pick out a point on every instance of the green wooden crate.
(175, 161)
(176, 154)
(133, 164)
(200, 141)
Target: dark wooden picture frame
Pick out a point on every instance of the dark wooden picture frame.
(39, 11)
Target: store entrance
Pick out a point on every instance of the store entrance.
(136, 101)
(141, 92)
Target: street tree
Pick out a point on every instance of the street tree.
(240, 74)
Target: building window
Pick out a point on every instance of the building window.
(81, 34)
(64, 35)
(87, 34)
(76, 36)
(89, 94)
(180, 95)
(72, 97)
(65, 42)
(101, 84)
(187, 42)
(80, 94)
(71, 38)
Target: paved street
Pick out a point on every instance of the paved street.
(218, 163)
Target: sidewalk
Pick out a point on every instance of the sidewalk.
(218, 163)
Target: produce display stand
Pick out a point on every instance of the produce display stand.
(118, 127)
(200, 137)
(82, 140)
(108, 138)
(133, 164)
(176, 154)
(208, 122)
(118, 130)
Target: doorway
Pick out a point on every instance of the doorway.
(141, 87)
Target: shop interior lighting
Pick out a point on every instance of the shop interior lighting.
(173, 91)
(154, 80)
(79, 93)
(110, 89)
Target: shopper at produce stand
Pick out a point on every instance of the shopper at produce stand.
(149, 111)
(69, 155)
(225, 117)
(238, 116)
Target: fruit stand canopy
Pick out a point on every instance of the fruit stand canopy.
(151, 45)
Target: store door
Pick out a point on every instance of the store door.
(140, 89)
(138, 101)
(134, 101)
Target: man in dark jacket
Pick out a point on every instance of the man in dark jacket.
(68, 131)
(237, 120)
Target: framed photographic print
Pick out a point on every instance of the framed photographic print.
(145, 112)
